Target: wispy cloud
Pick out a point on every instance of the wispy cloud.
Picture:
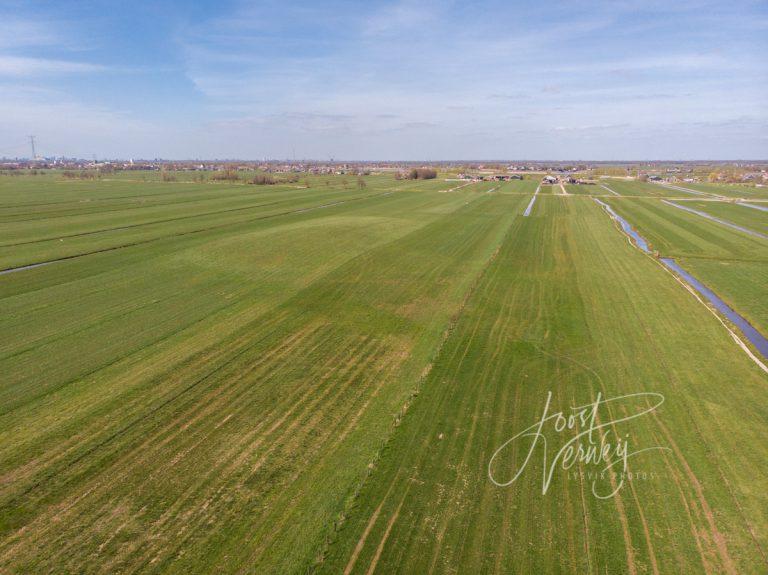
(397, 78)
(20, 33)
(399, 17)
(702, 63)
(26, 66)
(599, 128)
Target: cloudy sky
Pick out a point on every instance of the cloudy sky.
(632, 79)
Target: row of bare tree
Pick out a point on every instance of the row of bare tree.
(417, 174)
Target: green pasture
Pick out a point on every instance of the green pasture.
(313, 377)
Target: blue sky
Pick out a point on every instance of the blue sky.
(645, 79)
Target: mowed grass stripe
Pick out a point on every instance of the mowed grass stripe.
(406, 313)
(36, 250)
(53, 190)
(731, 263)
(132, 301)
(102, 206)
(80, 244)
(569, 306)
(83, 220)
(85, 223)
(756, 220)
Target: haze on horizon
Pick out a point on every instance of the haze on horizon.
(401, 80)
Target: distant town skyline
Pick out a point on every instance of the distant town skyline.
(404, 80)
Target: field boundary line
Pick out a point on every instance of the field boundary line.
(735, 337)
(152, 222)
(191, 232)
(716, 219)
(690, 191)
(450, 328)
(749, 205)
(610, 190)
(456, 188)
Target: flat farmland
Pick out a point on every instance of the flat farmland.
(642, 189)
(568, 307)
(731, 262)
(320, 376)
(525, 186)
(68, 222)
(729, 190)
(227, 371)
(737, 213)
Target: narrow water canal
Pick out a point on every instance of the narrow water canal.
(748, 330)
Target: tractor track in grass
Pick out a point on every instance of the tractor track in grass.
(451, 327)
(151, 223)
(646, 530)
(142, 204)
(188, 232)
(179, 430)
(383, 542)
(617, 500)
(108, 198)
(717, 537)
(361, 542)
(124, 429)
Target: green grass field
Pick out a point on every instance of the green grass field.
(430, 506)
(211, 377)
(737, 213)
(732, 263)
(730, 190)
